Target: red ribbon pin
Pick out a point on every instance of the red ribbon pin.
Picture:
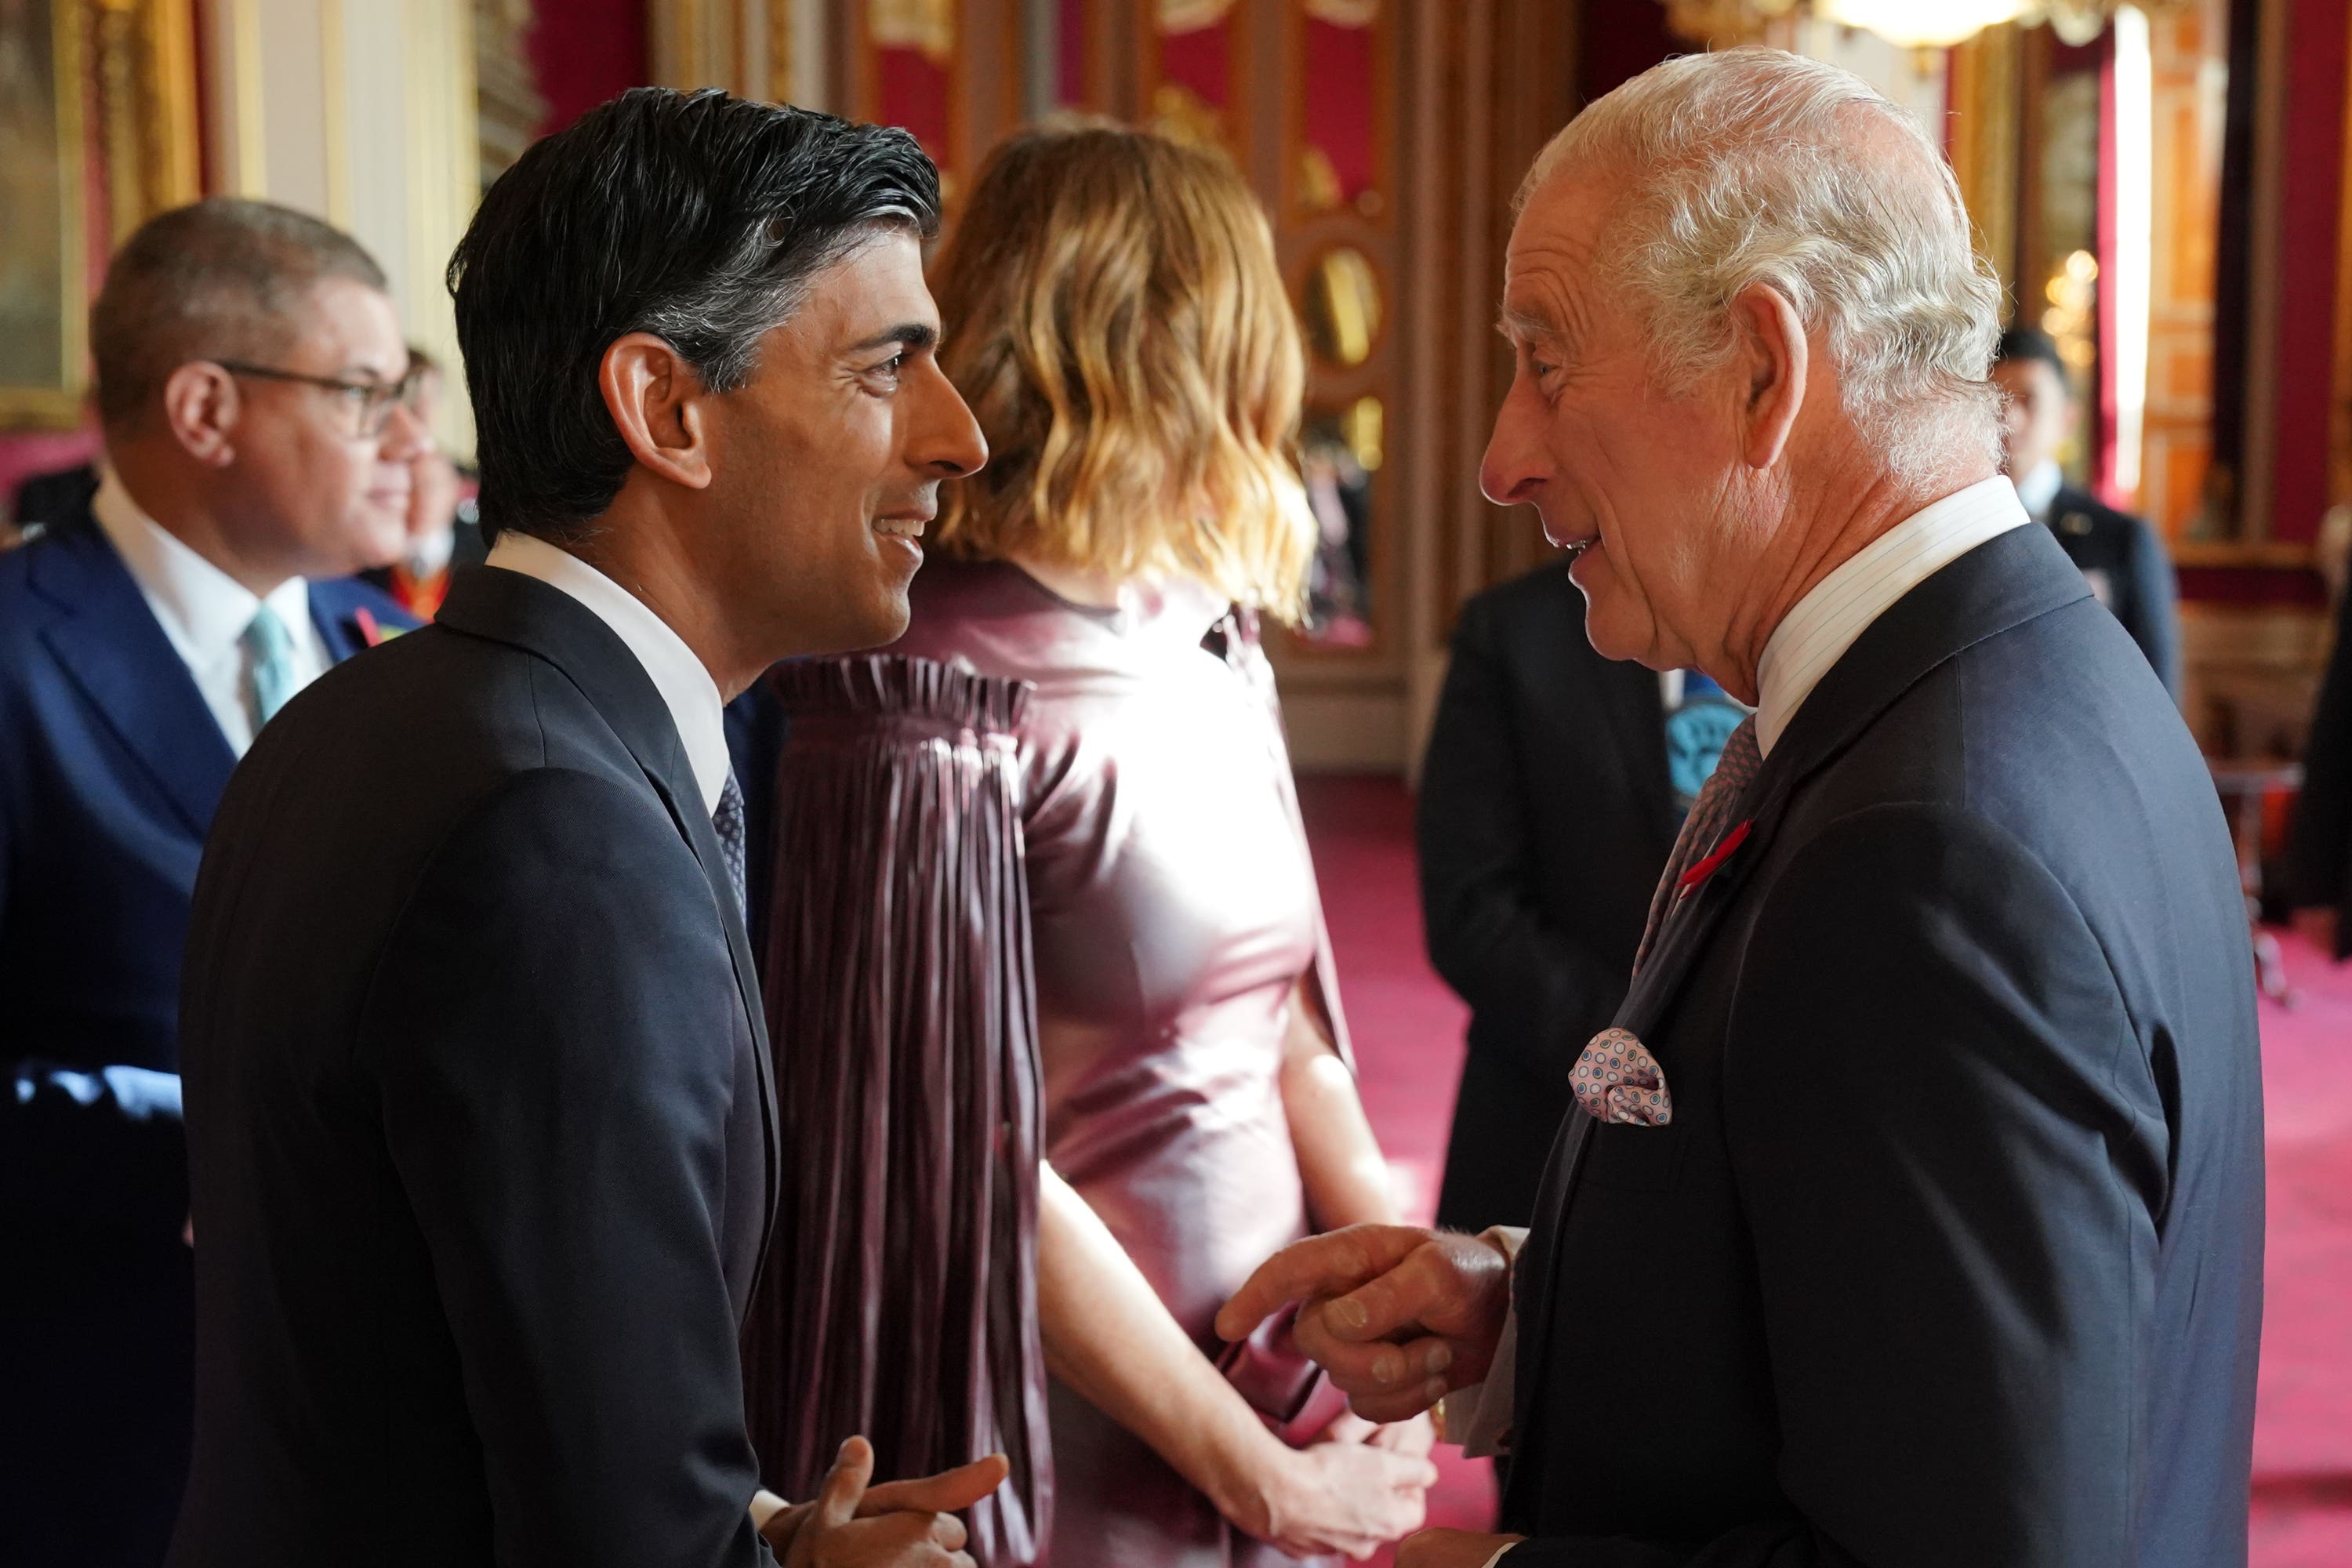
(1699, 873)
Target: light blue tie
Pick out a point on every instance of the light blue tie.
(270, 664)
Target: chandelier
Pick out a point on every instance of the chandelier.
(1916, 23)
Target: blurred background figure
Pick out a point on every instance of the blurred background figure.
(445, 531)
(61, 495)
(254, 395)
(1553, 787)
(2120, 556)
(1075, 755)
(2319, 856)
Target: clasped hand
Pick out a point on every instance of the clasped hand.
(899, 1524)
(1398, 1316)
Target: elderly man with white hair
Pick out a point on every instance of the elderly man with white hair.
(1913, 1213)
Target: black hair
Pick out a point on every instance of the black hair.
(217, 278)
(2032, 342)
(700, 218)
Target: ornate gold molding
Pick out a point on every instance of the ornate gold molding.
(1986, 107)
(1720, 24)
(56, 403)
(507, 99)
(144, 66)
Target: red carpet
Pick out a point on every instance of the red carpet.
(1408, 1037)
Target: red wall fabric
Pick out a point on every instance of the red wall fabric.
(26, 453)
(585, 51)
(914, 93)
(2321, 32)
(1341, 78)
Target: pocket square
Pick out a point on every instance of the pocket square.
(1617, 1080)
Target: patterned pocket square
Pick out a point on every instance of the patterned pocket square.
(1617, 1080)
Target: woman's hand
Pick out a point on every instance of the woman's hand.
(1416, 1436)
(1341, 1494)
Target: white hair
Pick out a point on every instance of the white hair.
(1759, 166)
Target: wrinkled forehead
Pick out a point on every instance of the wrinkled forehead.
(1556, 269)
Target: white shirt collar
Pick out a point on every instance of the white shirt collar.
(679, 676)
(203, 609)
(1815, 635)
(2037, 490)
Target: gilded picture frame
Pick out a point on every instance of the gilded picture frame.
(43, 241)
(108, 80)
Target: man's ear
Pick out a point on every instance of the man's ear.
(657, 401)
(1775, 361)
(201, 404)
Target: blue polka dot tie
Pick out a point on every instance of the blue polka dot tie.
(728, 822)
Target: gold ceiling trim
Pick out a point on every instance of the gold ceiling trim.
(1723, 23)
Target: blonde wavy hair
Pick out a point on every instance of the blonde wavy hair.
(1117, 323)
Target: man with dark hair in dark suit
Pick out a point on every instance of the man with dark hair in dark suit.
(1912, 1208)
(251, 388)
(481, 1128)
(1550, 797)
(2120, 556)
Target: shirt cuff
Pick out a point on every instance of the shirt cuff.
(1498, 1556)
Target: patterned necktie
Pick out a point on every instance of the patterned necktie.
(728, 822)
(270, 664)
(1733, 772)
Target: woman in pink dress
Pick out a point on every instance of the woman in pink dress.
(1060, 1055)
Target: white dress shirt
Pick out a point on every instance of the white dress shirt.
(1815, 635)
(203, 611)
(680, 677)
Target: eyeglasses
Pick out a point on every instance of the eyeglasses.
(371, 402)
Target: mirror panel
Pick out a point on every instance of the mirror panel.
(1342, 310)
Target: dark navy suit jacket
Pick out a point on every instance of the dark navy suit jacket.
(111, 765)
(483, 1144)
(1952, 1252)
(2124, 561)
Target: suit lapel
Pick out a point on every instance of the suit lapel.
(110, 646)
(510, 608)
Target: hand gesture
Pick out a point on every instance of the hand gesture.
(1399, 1316)
(899, 1524)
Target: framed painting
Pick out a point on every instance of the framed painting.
(44, 244)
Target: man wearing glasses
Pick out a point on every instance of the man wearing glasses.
(257, 400)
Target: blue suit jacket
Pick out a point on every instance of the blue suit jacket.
(110, 770)
(111, 766)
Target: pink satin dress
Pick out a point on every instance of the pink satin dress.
(1173, 913)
